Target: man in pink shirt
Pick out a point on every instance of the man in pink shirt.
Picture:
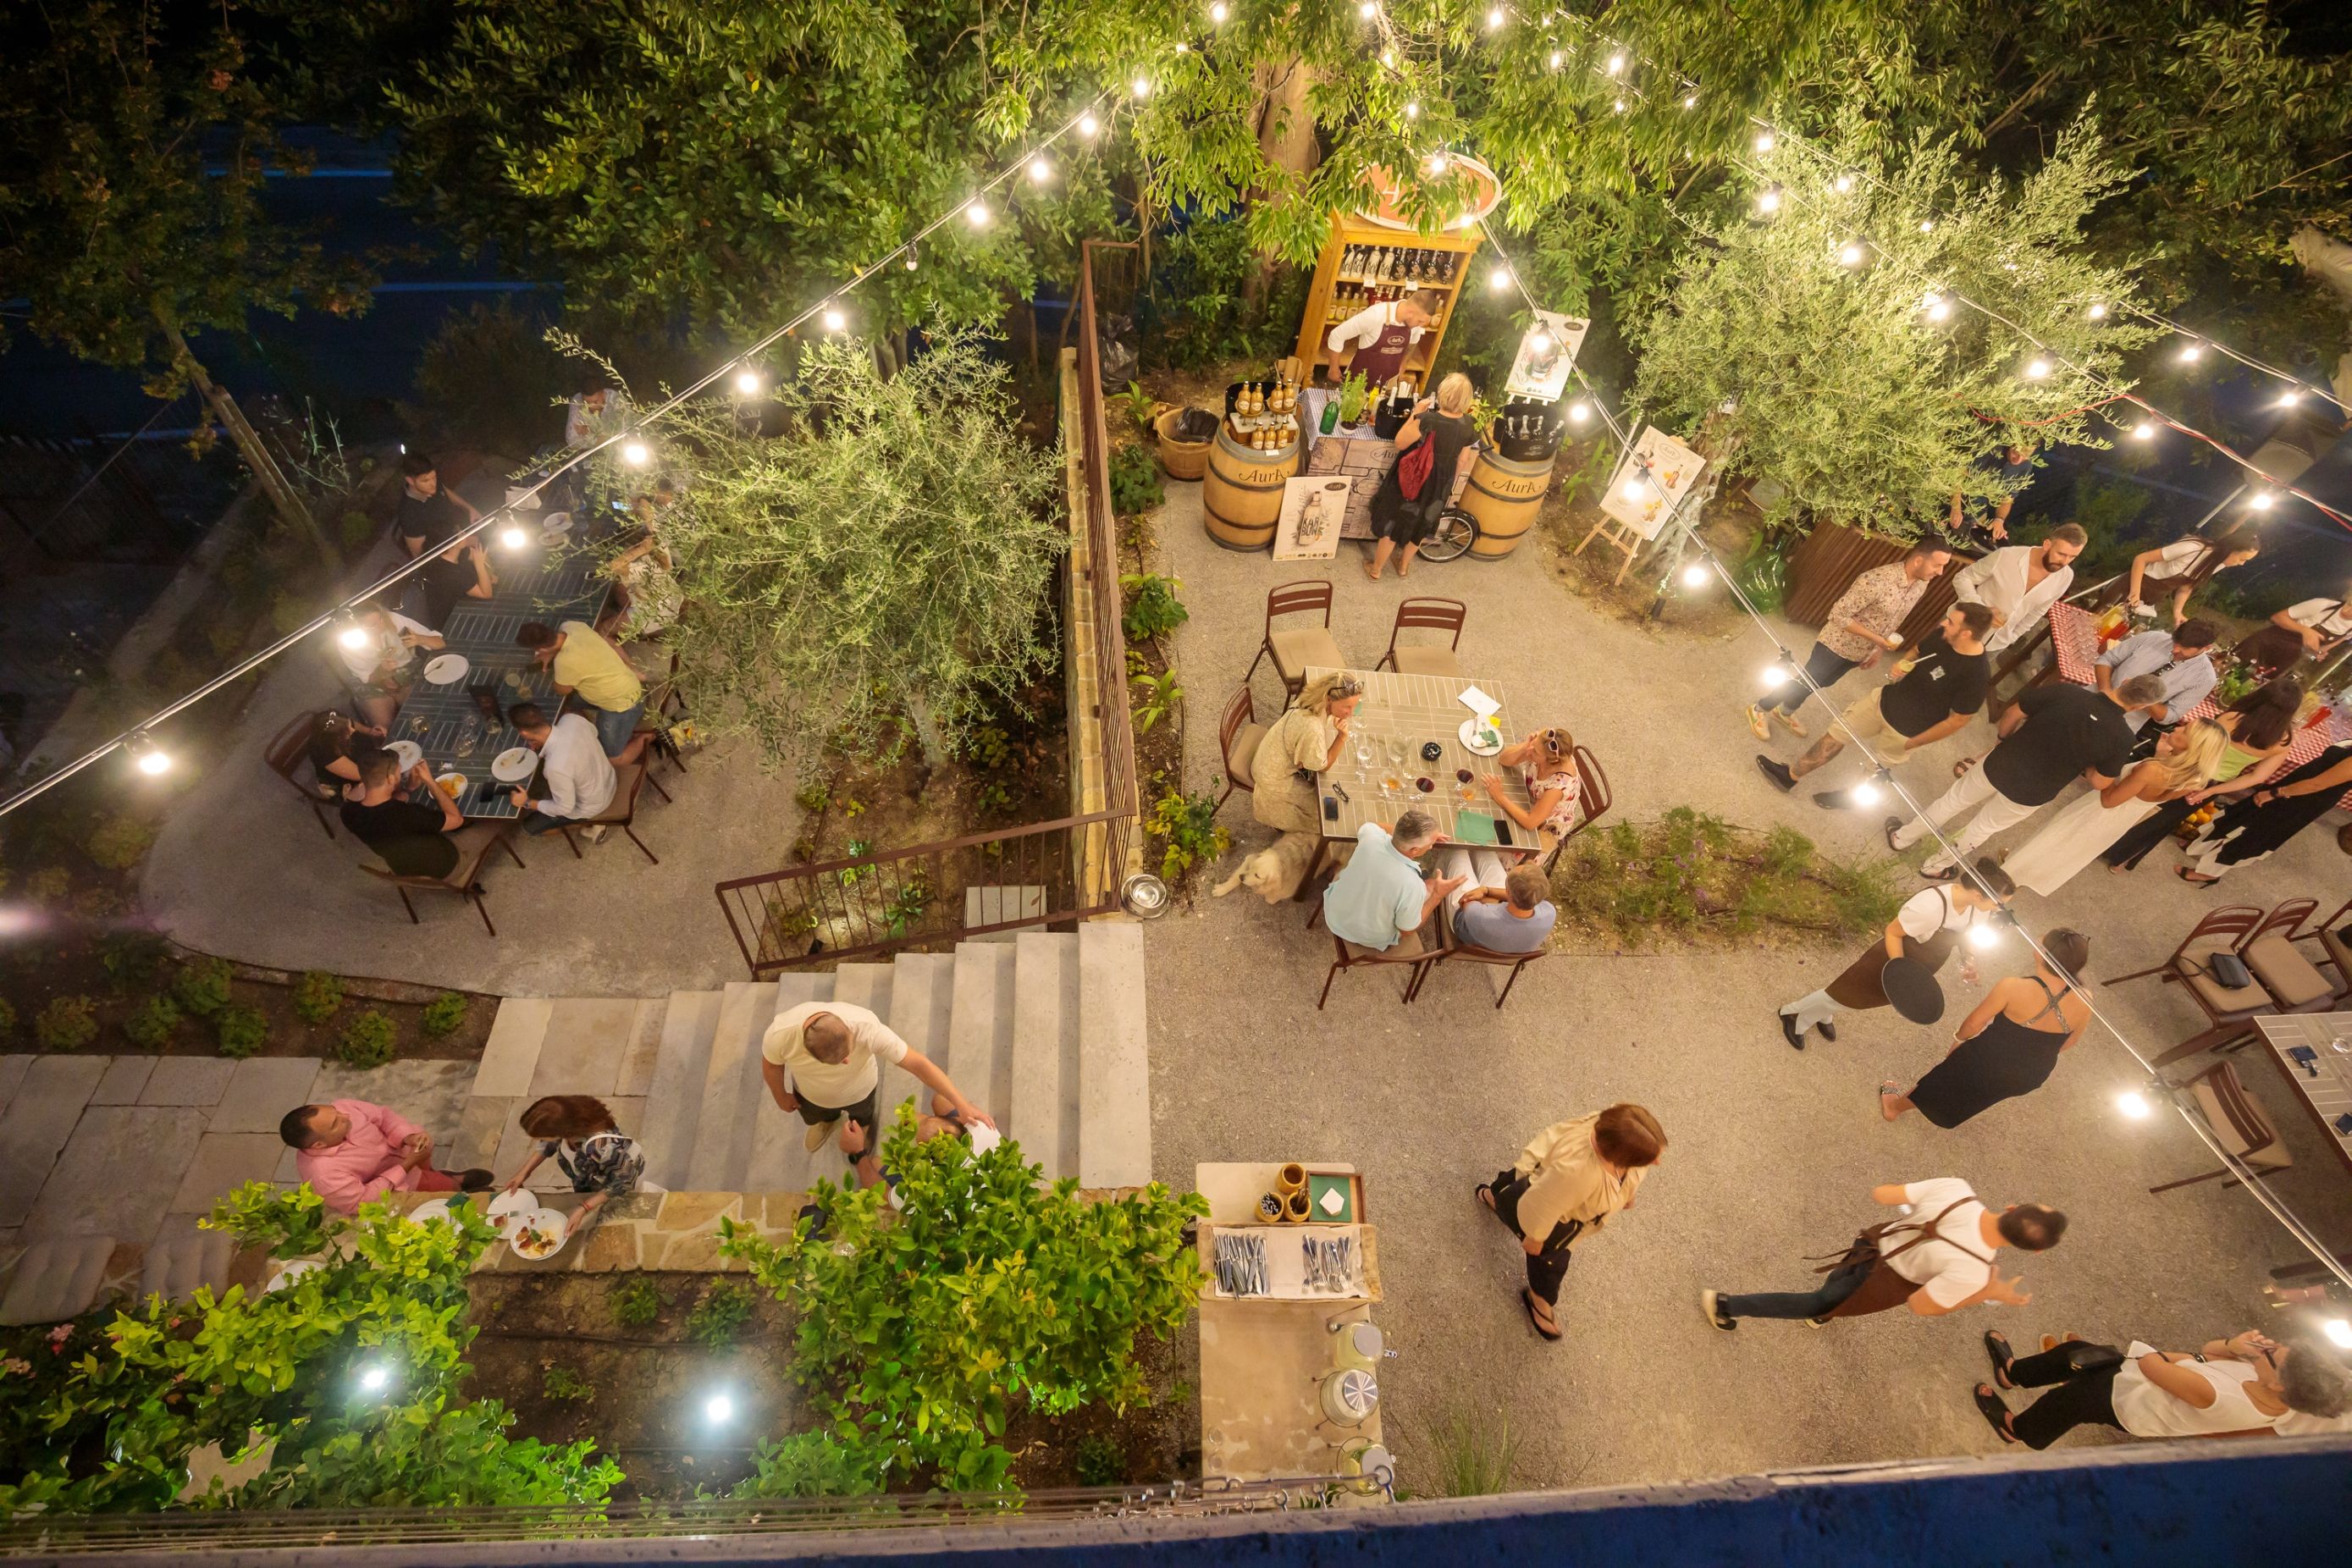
(353, 1153)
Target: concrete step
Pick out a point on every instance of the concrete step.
(723, 1134)
(674, 1102)
(1044, 1103)
(987, 906)
(980, 1026)
(867, 985)
(779, 1163)
(922, 996)
(1114, 1088)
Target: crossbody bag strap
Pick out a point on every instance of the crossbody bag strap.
(1928, 1230)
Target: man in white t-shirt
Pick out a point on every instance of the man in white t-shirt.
(2322, 624)
(1926, 927)
(824, 1060)
(1936, 1259)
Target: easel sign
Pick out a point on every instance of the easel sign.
(1654, 476)
(1547, 353)
(1313, 507)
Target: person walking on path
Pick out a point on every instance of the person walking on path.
(2049, 737)
(1940, 693)
(1860, 626)
(1938, 1259)
(1925, 930)
(2009, 1044)
(1304, 742)
(2021, 581)
(2261, 726)
(1569, 1179)
(2248, 1386)
(2253, 829)
(2185, 761)
(824, 1061)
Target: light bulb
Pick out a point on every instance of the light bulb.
(2097, 311)
(1088, 125)
(1863, 794)
(1040, 170)
(1494, 19)
(1773, 674)
(1413, 109)
(1141, 87)
(1690, 101)
(717, 1409)
(1367, 10)
(514, 539)
(2289, 398)
(2262, 501)
(1437, 163)
(352, 637)
(911, 261)
(834, 320)
(1621, 106)
(1499, 280)
(153, 761)
(2193, 353)
(1764, 141)
(1540, 341)
(1629, 490)
(977, 212)
(1182, 48)
(1695, 576)
(1927, 226)
(1767, 201)
(636, 454)
(1941, 310)
(2338, 1331)
(2036, 369)
(1388, 59)
(1555, 59)
(1616, 64)
(747, 382)
(2144, 430)
(374, 1379)
(1851, 254)
(1578, 412)
(1843, 184)
(1982, 937)
(1217, 13)
(2135, 1105)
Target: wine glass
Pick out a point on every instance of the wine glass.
(1363, 752)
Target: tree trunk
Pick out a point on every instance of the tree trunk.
(283, 495)
(1286, 139)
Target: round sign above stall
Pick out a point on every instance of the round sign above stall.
(1389, 211)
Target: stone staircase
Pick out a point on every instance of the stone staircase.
(1045, 1031)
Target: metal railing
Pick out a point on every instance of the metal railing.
(1039, 874)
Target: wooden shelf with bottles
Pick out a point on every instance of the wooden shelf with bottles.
(1339, 287)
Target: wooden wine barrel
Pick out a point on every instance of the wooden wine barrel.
(1505, 497)
(1241, 495)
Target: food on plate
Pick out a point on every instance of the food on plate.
(535, 1241)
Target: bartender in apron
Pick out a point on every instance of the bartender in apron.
(1373, 341)
(1925, 929)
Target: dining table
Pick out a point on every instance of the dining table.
(2312, 1051)
(1385, 768)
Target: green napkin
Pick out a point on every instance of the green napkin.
(1473, 827)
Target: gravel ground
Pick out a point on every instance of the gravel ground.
(1772, 1154)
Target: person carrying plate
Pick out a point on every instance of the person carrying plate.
(1922, 932)
(577, 1131)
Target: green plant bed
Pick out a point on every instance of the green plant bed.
(1690, 879)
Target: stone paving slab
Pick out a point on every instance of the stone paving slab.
(637, 1063)
(223, 1162)
(56, 1280)
(511, 1055)
(480, 1128)
(582, 1046)
(187, 1080)
(125, 1081)
(40, 1120)
(12, 1073)
(87, 1193)
(430, 1093)
(262, 1090)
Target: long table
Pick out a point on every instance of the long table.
(2325, 1091)
(1416, 709)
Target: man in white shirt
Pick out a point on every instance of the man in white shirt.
(2021, 581)
(824, 1061)
(1373, 341)
(1936, 1259)
(580, 781)
(2322, 624)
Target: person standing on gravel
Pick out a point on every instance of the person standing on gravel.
(1860, 626)
(1570, 1178)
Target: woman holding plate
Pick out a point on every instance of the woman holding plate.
(577, 1131)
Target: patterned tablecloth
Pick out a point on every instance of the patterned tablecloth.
(1363, 457)
(1414, 710)
(2325, 1087)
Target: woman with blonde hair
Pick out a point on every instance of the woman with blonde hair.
(2185, 759)
(1421, 481)
(579, 1133)
(1302, 744)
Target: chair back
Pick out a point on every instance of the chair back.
(1431, 615)
(1240, 713)
(1593, 798)
(291, 749)
(1297, 598)
(384, 874)
(2230, 920)
(2241, 1115)
(1476, 954)
(625, 798)
(2288, 918)
(2332, 922)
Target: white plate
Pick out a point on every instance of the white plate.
(555, 524)
(514, 765)
(291, 1272)
(984, 1138)
(547, 1220)
(1469, 733)
(437, 1209)
(408, 753)
(506, 1205)
(449, 666)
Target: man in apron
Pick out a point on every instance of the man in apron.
(1373, 341)
(1938, 1259)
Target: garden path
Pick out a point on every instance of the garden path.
(1772, 1154)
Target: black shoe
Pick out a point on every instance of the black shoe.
(1948, 874)
(1782, 779)
(474, 1181)
(1790, 1032)
(1829, 1031)
(1894, 827)
(1831, 800)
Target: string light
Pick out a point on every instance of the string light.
(147, 757)
(747, 380)
(1939, 310)
(1437, 163)
(636, 454)
(2036, 369)
(1621, 106)
(1773, 674)
(1413, 109)
(2134, 1105)
(354, 636)
(1498, 279)
(1616, 64)
(2262, 501)
(2338, 1331)
(833, 321)
(2193, 353)
(1863, 794)
(513, 538)
(2144, 430)
(977, 212)
(1088, 125)
(1388, 59)
(1927, 226)
(1556, 57)
(374, 1378)
(1140, 87)
(1217, 14)
(1767, 200)
(1040, 170)
(1851, 254)
(1843, 184)
(1367, 10)
(1539, 341)
(1690, 101)
(2097, 311)
(1982, 937)
(1578, 412)
(1764, 141)
(1629, 490)
(1695, 575)
(1494, 19)
(2290, 398)
(911, 260)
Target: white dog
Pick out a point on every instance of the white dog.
(1275, 872)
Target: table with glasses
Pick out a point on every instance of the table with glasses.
(1378, 774)
(2323, 1085)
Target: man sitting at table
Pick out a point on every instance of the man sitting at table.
(418, 831)
(1511, 915)
(580, 783)
(583, 661)
(428, 516)
(1379, 900)
(351, 1151)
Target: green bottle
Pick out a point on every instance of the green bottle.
(1331, 413)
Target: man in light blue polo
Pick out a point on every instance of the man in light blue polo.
(1380, 902)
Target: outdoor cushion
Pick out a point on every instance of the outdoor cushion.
(2285, 974)
(1427, 661)
(624, 793)
(2238, 1121)
(2339, 952)
(1243, 752)
(1294, 651)
(2222, 998)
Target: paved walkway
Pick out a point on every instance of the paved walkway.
(1772, 1153)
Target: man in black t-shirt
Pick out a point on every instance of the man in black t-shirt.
(1948, 676)
(2049, 737)
(428, 516)
(416, 831)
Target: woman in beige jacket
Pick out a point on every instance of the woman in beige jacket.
(1571, 1177)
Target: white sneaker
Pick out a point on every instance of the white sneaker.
(596, 835)
(1706, 1303)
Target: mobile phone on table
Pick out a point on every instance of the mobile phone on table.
(1502, 832)
(1330, 809)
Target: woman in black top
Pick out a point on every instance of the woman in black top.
(336, 746)
(2010, 1044)
(1444, 422)
(2261, 726)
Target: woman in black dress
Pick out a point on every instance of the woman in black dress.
(1398, 519)
(2272, 815)
(2009, 1045)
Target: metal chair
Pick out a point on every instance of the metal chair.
(2226, 1008)
(1294, 651)
(1592, 799)
(1238, 734)
(621, 813)
(2336, 952)
(2269, 951)
(1425, 659)
(1470, 952)
(2238, 1122)
(289, 751)
(463, 881)
(1346, 955)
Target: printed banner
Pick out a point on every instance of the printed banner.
(1651, 479)
(1547, 350)
(1313, 507)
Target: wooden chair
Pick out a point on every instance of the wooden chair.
(1426, 659)
(1470, 952)
(463, 881)
(2269, 951)
(1238, 734)
(2238, 1122)
(666, 706)
(621, 813)
(1346, 955)
(2226, 1008)
(1295, 650)
(2334, 950)
(289, 751)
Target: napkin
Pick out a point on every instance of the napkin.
(1473, 827)
(1478, 702)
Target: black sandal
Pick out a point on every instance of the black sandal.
(1995, 1414)
(1996, 1345)
(1485, 1193)
(1528, 1300)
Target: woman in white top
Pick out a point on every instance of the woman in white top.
(381, 659)
(2239, 1387)
(2187, 564)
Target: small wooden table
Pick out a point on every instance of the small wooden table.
(2326, 1093)
(1419, 708)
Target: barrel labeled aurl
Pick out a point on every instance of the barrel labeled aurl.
(1504, 494)
(1241, 495)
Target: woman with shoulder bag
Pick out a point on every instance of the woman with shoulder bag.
(1570, 1178)
(1416, 487)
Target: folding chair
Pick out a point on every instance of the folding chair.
(1294, 652)
(465, 880)
(289, 750)
(1426, 659)
(2227, 1009)
(1592, 799)
(2238, 1122)
(1346, 955)
(1238, 733)
(2269, 951)
(621, 813)
(1470, 952)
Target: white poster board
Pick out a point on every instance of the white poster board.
(1653, 477)
(1313, 507)
(1546, 351)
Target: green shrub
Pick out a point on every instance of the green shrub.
(1202, 302)
(811, 1464)
(67, 1024)
(119, 840)
(1152, 607)
(1474, 1453)
(489, 373)
(1187, 824)
(1098, 1461)
(1689, 874)
(154, 1023)
(1135, 481)
(318, 996)
(444, 1014)
(1157, 698)
(132, 958)
(719, 1314)
(366, 1041)
(636, 1300)
(240, 1030)
(49, 884)
(202, 986)
(813, 798)
(358, 527)
(7, 1016)
(563, 1383)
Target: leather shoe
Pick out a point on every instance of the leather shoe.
(476, 1180)
(1790, 1032)
(1782, 779)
